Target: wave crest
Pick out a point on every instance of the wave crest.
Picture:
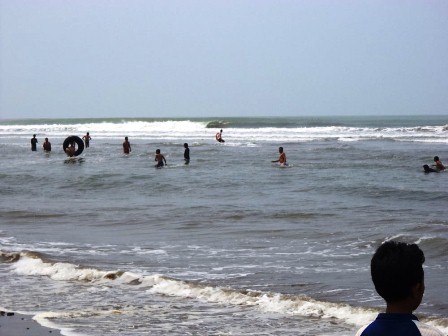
(217, 124)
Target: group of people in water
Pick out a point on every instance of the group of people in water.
(161, 160)
(46, 145)
(71, 149)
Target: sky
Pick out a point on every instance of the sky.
(198, 58)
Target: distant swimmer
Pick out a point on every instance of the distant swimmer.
(34, 143)
(282, 157)
(47, 145)
(219, 136)
(438, 166)
(87, 139)
(71, 150)
(126, 146)
(160, 159)
(186, 154)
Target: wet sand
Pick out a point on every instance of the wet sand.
(13, 324)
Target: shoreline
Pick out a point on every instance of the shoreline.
(14, 324)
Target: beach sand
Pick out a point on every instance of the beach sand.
(13, 324)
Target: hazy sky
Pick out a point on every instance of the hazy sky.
(182, 58)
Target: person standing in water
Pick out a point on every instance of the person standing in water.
(186, 154)
(47, 145)
(34, 143)
(87, 139)
(282, 157)
(126, 146)
(219, 136)
(160, 159)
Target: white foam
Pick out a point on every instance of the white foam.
(139, 250)
(295, 305)
(178, 130)
(56, 271)
(44, 320)
(440, 324)
(158, 284)
(267, 302)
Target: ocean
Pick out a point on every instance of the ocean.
(231, 244)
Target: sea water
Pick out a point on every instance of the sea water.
(230, 244)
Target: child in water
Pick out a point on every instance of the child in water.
(439, 165)
(71, 150)
(160, 159)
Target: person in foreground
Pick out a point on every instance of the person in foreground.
(397, 273)
(281, 158)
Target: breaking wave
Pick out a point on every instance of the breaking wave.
(29, 263)
(237, 129)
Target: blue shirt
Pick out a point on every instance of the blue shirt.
(397, 325)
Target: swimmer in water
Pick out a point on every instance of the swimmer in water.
(282, 157)
(126, 146)
(160, 159)
(47, 145)
(186, 154)
(71, 150)
(439, 165)
(219, 136)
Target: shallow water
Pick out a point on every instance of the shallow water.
(230, 244)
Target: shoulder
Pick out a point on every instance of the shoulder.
(385, 325)
(427, 330)
(360, 331)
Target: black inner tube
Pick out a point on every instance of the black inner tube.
(428, 169)
(77, 140)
